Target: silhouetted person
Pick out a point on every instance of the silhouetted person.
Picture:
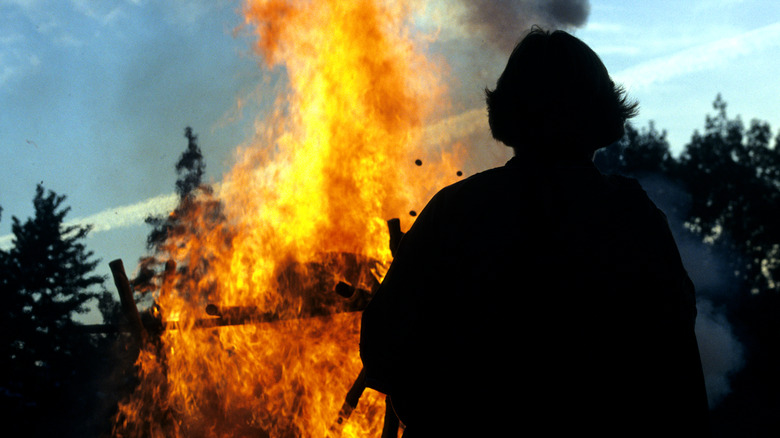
(541, 298)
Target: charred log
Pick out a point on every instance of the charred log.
(129, 308)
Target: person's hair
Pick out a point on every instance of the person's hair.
(555, 98)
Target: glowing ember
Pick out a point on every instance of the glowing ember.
(304, 208)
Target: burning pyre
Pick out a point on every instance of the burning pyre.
(302, 214)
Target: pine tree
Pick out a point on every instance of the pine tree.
(47, 279)
(197, 213)
(190, 170)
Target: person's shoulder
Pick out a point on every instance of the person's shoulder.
(628, 195)
(481, 181)
(622, 182)
(476, 189)
(482, 190)
(625, 187)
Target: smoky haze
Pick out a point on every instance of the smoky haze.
(722, 353)
(501, 22)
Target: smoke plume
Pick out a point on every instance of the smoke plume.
(722, 354)
(502, 21)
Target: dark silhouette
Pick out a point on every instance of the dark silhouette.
(726, 181)
(541, 295)
(52, 368)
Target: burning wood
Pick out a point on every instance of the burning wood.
(355, 299)
(299, 244)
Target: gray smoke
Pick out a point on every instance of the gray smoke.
(722, 354)
(501, 22)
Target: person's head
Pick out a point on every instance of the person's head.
(555, 99)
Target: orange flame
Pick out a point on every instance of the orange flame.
(304, 207)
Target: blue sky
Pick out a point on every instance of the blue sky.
(95, 95)
(674, 57)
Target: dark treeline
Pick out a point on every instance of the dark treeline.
(722, 192)
(58, 378)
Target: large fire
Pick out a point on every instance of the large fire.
(305, 207)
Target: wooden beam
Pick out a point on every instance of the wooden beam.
(129, 309)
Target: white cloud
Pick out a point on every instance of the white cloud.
(700, 57)
(15, 64)
(68, 40)
(11, 39)
(188, 12)
(716, 4)
(6, 73)
(100, 15)
(617, 50)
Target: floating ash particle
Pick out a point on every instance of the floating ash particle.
(459, 173)
(412, 213)
(418, 162)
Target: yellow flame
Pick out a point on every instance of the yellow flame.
(325, 173)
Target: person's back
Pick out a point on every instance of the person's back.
(538, 296)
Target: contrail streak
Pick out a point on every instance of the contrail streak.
(117, 217)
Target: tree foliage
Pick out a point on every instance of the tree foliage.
(48, 278)
(638, 152)
(190, 170)
(733, 176)
(198, 212)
